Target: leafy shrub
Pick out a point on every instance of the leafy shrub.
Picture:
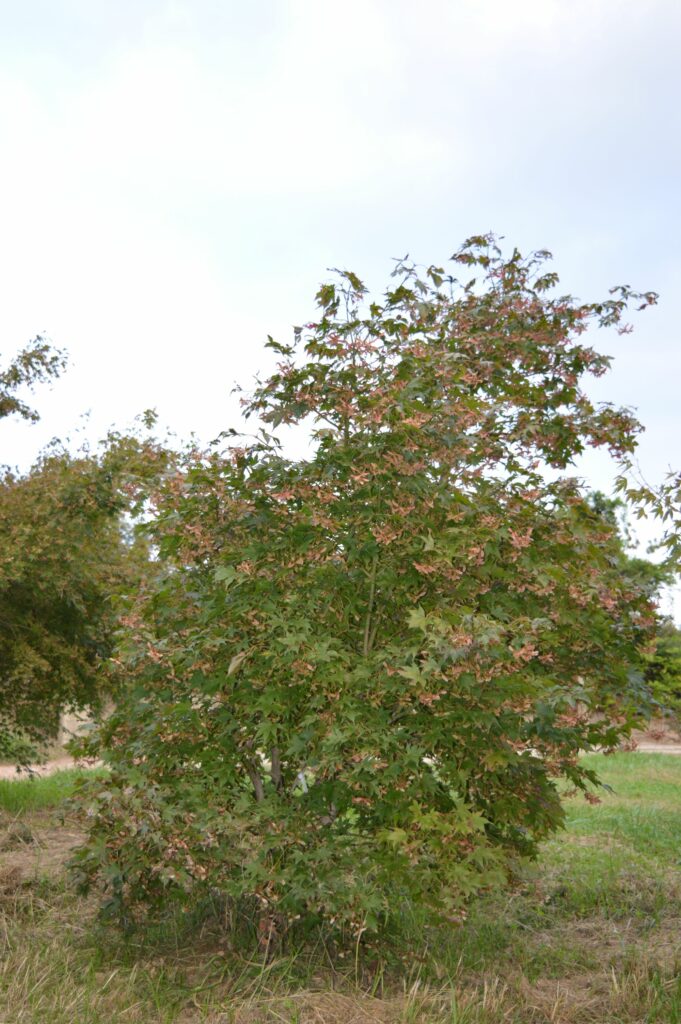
(361, 674)
(17, 749)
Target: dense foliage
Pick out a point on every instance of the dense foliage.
(663, 662)
(66, 555)
(359, 676)
(663, 673)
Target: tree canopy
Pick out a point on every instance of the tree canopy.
(358, 676)
(67, 554)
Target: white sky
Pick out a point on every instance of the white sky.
(177, 175)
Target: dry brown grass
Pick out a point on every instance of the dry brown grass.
(573, 947)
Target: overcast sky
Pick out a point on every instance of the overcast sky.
(177, 175)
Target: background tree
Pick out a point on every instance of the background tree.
(67, 553)
(663, 664)
(663, 672)
(647, 575)
(360, 675)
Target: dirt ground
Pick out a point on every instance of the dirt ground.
(659, 738)
(9, 771)
(38, 848)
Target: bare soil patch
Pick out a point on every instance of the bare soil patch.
(660, 737)
(34, 848)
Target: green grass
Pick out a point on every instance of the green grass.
(589, 935)
(642, 810)
(37, 793)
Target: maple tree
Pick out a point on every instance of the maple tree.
(359, 676)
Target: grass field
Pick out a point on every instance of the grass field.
(25, 794)
(592, 935)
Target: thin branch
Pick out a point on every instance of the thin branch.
(374, 631)
(329, 818)
(275, 769)
(253, 774)
(256, 780)
(366, 645)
